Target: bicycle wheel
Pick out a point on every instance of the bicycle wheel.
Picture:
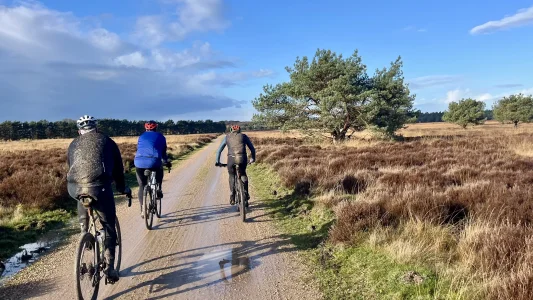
(148, 210)
(158, 206)
(118, 248)
(86, 268)
(242, 208)
(236, 191)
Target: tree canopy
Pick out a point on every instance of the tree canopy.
(514, 108)
(335, 95)
(67, 128)
(465, 112)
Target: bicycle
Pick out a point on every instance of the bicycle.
(152, 203)
(240, 194)
(92, 242)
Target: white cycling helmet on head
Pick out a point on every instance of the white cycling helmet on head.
(86, 122)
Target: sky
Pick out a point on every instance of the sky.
(207, 59)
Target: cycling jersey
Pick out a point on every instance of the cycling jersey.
(151, 150)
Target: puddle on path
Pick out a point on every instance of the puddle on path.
(223, 264)
(27, 255)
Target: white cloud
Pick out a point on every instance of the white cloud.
(192, 16)
(521, 18)
(432, 80)
(455, 95)
(484, 97)
(135, 59)
(55, 65)
(104, 39)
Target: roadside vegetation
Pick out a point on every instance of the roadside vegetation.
(389, 211)
(33, 191)
(427, 218)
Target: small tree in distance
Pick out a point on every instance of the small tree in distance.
(514, 108)
(465, 112)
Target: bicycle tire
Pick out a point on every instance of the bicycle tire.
(237, 191)
(148, 213)
(87, 238)
(242, 201)
(158, 206)
(118, 249)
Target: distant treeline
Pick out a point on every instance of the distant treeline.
(428, 117)
(67, 128)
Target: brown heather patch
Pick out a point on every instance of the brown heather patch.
(37, 178)
(462, 204)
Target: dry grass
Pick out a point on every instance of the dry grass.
(458, 201)
(22, 145)
(33, 173)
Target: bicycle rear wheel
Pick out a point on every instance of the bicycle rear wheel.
(118, 249)
(147, 207)
(86, 270)
(242, 208)
(158, 206)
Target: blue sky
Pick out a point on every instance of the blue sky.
(199, 59)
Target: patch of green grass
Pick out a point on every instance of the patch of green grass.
(343, 272)
(27, 227)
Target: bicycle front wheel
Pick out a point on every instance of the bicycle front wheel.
(147, 207)
(86, 270)
(158, 206)
(118, 249)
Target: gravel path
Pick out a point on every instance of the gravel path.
(199, 249)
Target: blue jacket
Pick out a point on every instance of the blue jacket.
(151, 150)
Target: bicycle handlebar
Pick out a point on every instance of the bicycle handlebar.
(225, 165)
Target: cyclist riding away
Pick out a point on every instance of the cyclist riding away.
(151, 155)
(94, 162)
(236, 142)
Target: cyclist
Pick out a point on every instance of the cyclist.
(151, 153)
(94, 162)
(236, 142)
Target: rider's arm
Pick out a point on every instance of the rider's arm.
(220, 149)
(250, 146)
(118, 168)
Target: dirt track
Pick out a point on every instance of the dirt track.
(199, 249)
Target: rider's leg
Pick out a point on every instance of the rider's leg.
(105, 208)
(83, 217)
(159, 179)
(141, 180)
(244, 178)
(231, 172)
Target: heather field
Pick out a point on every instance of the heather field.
(446, 213)
(33, 191)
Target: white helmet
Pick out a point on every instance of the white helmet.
(86, 122)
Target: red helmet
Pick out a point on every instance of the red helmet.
(235, 128)
(150, 125)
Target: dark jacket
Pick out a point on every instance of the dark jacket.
(236, 143)
(94, 162)
(151, 150)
